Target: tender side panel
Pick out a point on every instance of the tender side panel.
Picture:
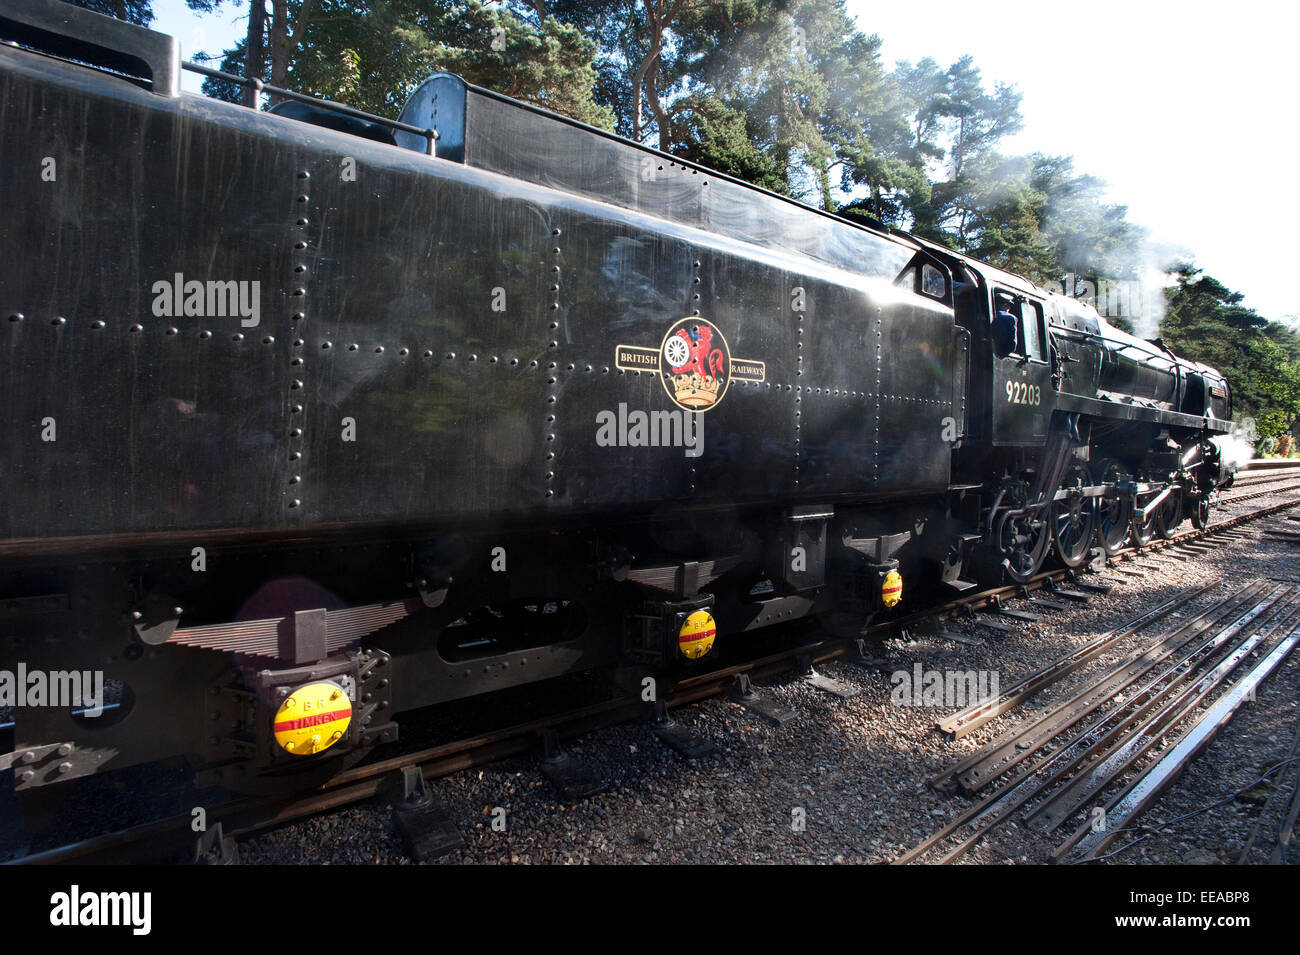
(120, 415)
(520, 143)
(433, 341)
(917, 369)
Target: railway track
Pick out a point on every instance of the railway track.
(171, 838)
(1251, 495)
(1107, 738)
(1156, 689)
(1267, 471)
(1284, 798)
(1271, 464)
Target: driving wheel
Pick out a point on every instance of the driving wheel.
(1074, 519)
(1113, 513)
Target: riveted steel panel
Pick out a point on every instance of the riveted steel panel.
(435, 341)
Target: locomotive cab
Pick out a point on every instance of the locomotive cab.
(1022, 378)
(1206, 392)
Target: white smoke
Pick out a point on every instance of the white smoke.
(1126, 281)
(1238, 446)
(1154, 281)
(1155, 269)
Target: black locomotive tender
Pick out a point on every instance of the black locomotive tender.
(321, 410)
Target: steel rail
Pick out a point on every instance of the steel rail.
(1254, 494)
(975, 770)
(1008, 753)
(1166, 716)
(1125, 806)
(1261, 479)
(1160, 711)
(1265, 464)
(966, 721)
(1024, 788)
(245, 816)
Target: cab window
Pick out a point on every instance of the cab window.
(1006, 326)
(1032, 339)
(926, 278)
(933, 282)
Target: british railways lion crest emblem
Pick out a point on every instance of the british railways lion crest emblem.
(693, 362)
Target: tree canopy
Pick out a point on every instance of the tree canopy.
(1205, 321)
(787, 94)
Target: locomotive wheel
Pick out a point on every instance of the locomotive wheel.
(1144, 532)
(1113, 514)
(1201, 513)
(1074, 520)
(1024, 542)
(1170, 514)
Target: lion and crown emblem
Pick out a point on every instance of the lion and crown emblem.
(692, 362)
(697, 368)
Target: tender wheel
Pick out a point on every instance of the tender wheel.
(1074, 520)
(1170, 514)
(1113, 514)
(1201, 513)
(1023, 542)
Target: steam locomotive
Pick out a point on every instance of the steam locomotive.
(312, 418)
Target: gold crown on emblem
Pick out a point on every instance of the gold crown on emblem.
(694, 389)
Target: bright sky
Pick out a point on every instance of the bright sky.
(1186, 109)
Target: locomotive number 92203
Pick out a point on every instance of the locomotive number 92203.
(1023, 393)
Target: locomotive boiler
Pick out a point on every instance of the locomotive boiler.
(313, 418)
